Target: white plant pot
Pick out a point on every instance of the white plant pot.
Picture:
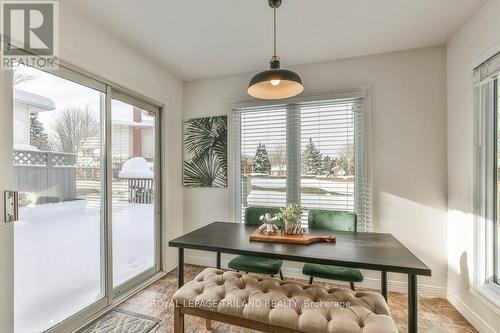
(292, 228)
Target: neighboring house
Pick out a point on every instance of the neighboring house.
(246, 164)
(278, 170)
(132, 136)
(26, 103)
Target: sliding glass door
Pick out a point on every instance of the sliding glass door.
(86, 167)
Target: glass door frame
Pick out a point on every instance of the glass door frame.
(120, 95)
(111, 296)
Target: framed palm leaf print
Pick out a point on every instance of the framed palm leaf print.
(205, 152)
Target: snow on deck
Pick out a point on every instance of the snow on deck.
(57, 258)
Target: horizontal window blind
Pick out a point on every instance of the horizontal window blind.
(262, 157)
(328, 154)
(488, 69)
(310, 153)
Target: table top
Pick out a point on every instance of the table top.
(367, 250)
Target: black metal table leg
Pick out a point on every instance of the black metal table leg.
(218, 260)
(383, 288)
(412, 304)
(180, 267)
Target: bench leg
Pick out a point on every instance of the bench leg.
(311, 280)
(352, 286)
(178, 320)
(281, 276)
(208, 324)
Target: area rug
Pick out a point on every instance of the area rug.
(122, 321)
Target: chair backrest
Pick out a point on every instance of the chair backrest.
(332, 220)
(252, 214)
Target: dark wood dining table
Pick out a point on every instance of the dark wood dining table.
(365, 250)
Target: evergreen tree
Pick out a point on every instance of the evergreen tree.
(261, 161)
(311, 160)
(38, 136)
(327, 166)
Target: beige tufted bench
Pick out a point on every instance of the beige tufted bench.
(272, 305)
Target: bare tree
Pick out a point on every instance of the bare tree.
(74, 126)
(20, 77)
(278, 158)
(344, 161)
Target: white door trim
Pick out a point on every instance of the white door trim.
(6, 183)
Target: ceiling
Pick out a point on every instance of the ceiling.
(206, 38)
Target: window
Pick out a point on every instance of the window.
(309, 151)
(487, 181)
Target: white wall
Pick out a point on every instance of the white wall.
(408, 105)
(474, 43)
(85, 45)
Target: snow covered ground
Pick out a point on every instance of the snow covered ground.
(58, 258)
(323, 193)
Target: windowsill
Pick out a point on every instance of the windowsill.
(489, 294)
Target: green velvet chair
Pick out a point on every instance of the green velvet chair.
(332, 221)
(257, 265)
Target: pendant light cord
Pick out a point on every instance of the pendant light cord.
(274, 9)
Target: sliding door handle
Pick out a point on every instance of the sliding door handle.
(11, 206)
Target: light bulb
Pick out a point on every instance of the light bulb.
(275, 82)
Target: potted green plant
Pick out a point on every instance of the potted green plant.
(290, 218)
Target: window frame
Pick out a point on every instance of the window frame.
(485, 283)
(235, 153)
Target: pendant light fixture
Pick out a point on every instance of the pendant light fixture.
(275, 83)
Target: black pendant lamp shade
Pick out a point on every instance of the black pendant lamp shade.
(275, 83)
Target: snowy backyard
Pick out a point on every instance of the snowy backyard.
(58, 257)
(323, 193)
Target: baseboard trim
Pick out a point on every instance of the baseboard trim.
(470, 315)
(372, 283)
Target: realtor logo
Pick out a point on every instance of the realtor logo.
(29, 34)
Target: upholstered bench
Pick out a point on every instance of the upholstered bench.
(272, 305)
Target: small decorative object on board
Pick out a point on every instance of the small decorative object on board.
(205, 152)
(290, 217)
(268, 224)
(292, 231)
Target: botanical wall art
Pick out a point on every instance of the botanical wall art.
(205, 152)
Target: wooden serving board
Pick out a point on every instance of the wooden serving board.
(290, 239)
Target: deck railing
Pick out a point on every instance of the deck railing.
(56, 177)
